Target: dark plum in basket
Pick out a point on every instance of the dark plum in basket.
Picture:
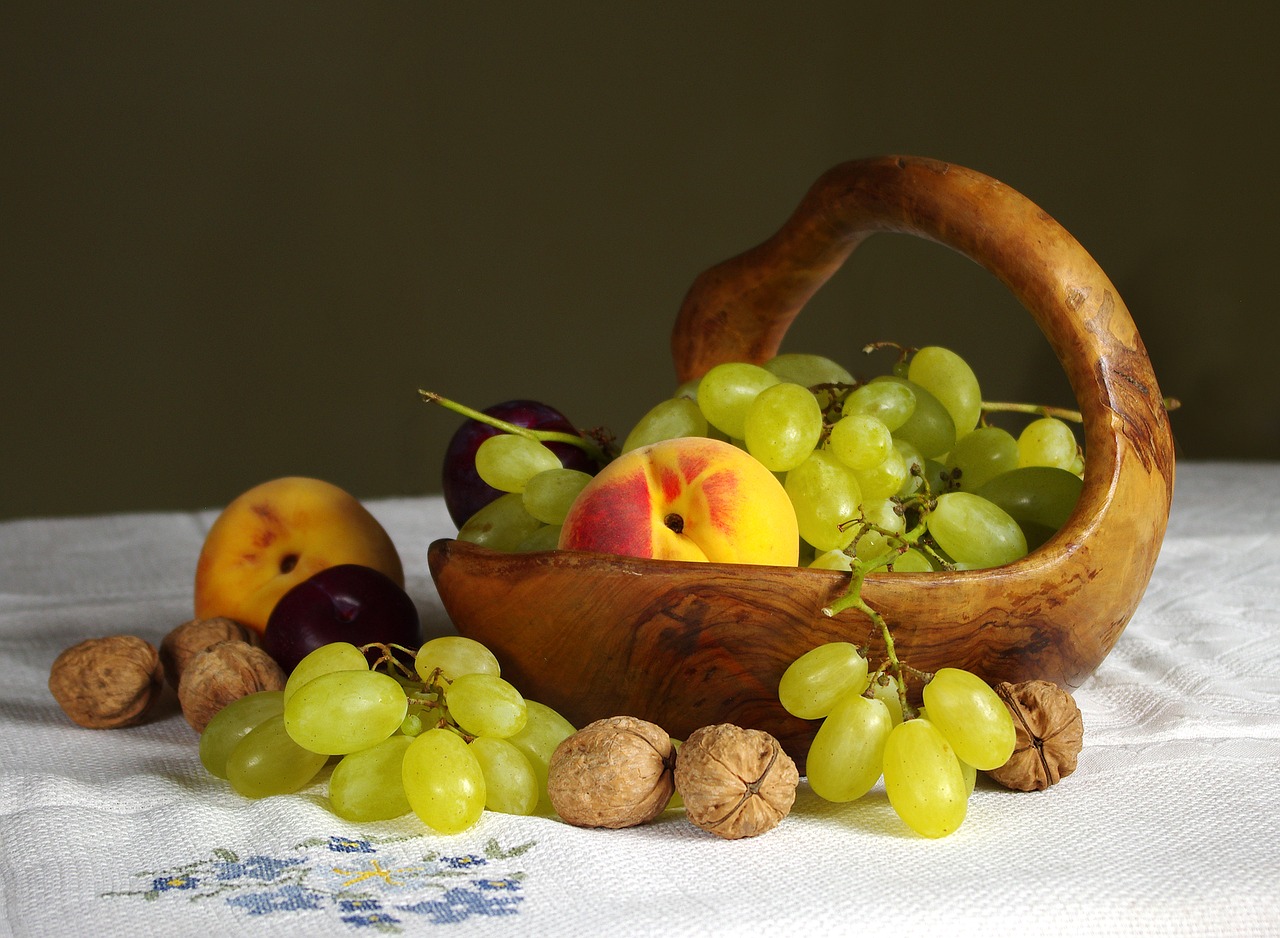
(344, 603)
(465, 492)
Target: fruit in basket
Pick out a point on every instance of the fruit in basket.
(278, 534)
(464, 491)
(1055, 613)
(344, 603)
(692, 498)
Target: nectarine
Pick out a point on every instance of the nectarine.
(691, 498)
(279, 534)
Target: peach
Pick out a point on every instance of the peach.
(277, 535)
(691, 498)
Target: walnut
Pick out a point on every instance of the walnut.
(1050, 732)
(189, 639)
(735, 782)
(107, 682)
(612, 773)
(222, 673)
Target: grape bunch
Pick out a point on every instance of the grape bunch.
(928, 758)
(446, 738)
(900, 472)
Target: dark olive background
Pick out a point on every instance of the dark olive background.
(238, 237)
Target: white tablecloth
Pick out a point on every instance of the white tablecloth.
(1167, 827)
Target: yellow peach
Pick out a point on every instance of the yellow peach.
(691, 498)
(278, 534)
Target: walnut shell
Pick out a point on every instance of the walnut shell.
(735, 782)
(108, 682)
(1050, 734)
(192, 637)
(612, 773)
(222, 673)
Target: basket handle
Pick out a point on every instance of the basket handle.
(740, 310)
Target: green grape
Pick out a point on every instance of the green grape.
(847, 753)
(367, 785)
(1035, 496)
(982, 455)
(970, 776)
(334, 656)
(510, 783)
(860, 441)
(454, 656)
(549, 494)
(344, 711)
(508, 461)
(930, 428)
(947, 376)
(500, 525)
(884, 689)
(972, 717)
(544, 729)
(825, 494)
(443, 781)
(889, 402)
(975, 532)
(916, 467)
(875, 542)
(808, 370)
(726, 391)
(545, 537)
(911, 561)
(811, 685)
(924, 780)
(268, 762)
(782, 426)
(1047, 442)
(667, 420)
(832, 560)
(486, 705)
(232, 723)
(885, 479)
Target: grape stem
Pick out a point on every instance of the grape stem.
(852, 599)
(1045, 410)
(584, 443)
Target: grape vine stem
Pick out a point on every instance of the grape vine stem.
(852, 599)
(587, 445)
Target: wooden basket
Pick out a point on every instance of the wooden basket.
(689, 644)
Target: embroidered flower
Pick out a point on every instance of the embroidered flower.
(360, 904)
(347, 845)
(289, 898)
(354, 890)
(372, 919)
(495, 885)
(179, 881)
(263, 869)
(460, 903)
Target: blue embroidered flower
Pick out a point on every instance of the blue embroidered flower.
(459, 904)
(179, 881)
(356, 890)
(264, 869)
(495, 885)
(373, 919)
(347, 845)
(289, 898)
